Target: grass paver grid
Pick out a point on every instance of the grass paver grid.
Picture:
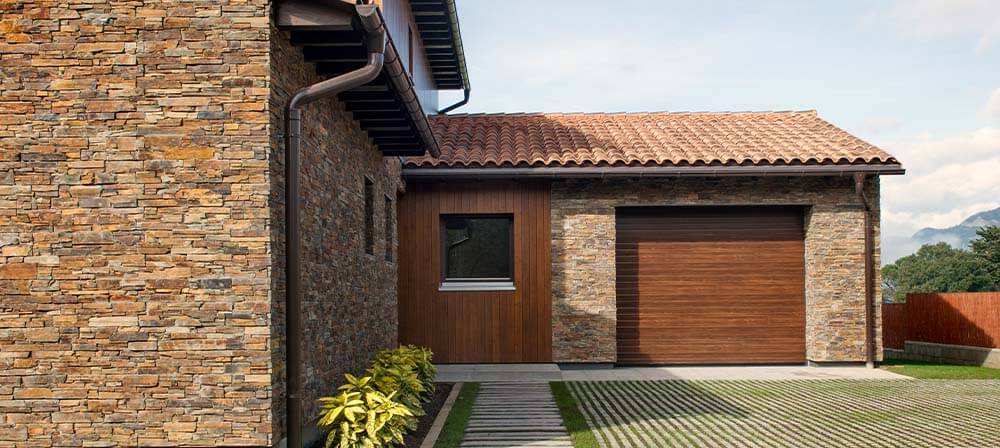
(792, 413)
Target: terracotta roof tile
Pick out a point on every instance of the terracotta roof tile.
(644, 139)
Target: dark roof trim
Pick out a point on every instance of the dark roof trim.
(655, 171)
(437, 23)
(388, 109)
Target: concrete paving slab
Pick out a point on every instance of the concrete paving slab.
(540, 373)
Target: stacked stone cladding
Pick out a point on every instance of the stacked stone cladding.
(140, 226)
(349, 304)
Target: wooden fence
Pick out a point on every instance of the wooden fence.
(971, 318)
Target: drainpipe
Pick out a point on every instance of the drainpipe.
(461, 103)
(859, 189)
(376, 41)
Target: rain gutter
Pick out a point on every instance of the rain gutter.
(656, 171)
(456, 37)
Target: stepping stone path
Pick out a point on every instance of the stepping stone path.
(515, 414)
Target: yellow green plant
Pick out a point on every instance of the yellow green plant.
(376, 410)
(362, 417)
(418, 359)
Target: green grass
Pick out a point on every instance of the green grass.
(575, 423)
(937, 371)
(454, 427)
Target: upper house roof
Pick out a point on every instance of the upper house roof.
(645, 139)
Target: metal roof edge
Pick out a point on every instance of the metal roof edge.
(658, 171)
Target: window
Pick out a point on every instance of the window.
(369, 216)
(390, 234)
(409, 51)
(477, 252)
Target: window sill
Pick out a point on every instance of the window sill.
(476, 286)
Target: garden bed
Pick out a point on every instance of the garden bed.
(431, 408)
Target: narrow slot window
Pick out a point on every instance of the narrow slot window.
(369, 216)
(390, 234)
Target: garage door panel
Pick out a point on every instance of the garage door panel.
(710, 285)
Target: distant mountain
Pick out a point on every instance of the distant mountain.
(960, 235)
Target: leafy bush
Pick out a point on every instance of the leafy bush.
(411, 359)
(377, 410)
(362, 417)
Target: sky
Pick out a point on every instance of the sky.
(918, 78)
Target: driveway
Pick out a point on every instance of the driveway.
(450, 373)
(792, 413)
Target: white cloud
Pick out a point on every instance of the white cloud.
(939, 18)
(579, 71)
(948, 179)
(993, 105)
(880, 124)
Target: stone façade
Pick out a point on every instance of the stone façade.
(140, 227)
(349, 301)
(583, 254)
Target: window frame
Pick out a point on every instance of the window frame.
(390, 227)
(368, 199)
(475, 284)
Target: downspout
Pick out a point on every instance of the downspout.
(375, 37)
(461, 103)
(456, 37)
(859, 189)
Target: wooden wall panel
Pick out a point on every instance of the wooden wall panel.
(710, 285)
(894, 325)
(476, 327)
(956, 318)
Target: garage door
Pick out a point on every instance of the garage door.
(710, 285)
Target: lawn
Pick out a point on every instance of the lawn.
(788, 413)
(454, 427)
(576, 423)
(937, 371)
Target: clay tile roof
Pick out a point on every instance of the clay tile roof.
(644, 139)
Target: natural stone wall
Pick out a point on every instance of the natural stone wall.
(583, 248)
(349, 308)
(135, 302)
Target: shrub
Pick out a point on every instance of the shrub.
(378, 409)
(362, 417)
(408, 369)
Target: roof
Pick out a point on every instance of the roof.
(644, 139)
(437, 23)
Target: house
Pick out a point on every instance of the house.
(642, 238)
(174, 273)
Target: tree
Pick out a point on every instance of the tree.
(934, 268)
(987, 248)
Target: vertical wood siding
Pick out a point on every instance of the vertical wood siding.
(893, 325)
(965, 318)
(473, 327)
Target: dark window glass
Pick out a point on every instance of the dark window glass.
(389, 231)
(409, 51)
(477, 247)
(369, 216)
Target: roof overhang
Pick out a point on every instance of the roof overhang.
(329, 34)
(437, 23)
(654, 171)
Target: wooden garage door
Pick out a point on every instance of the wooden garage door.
(710, 285)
